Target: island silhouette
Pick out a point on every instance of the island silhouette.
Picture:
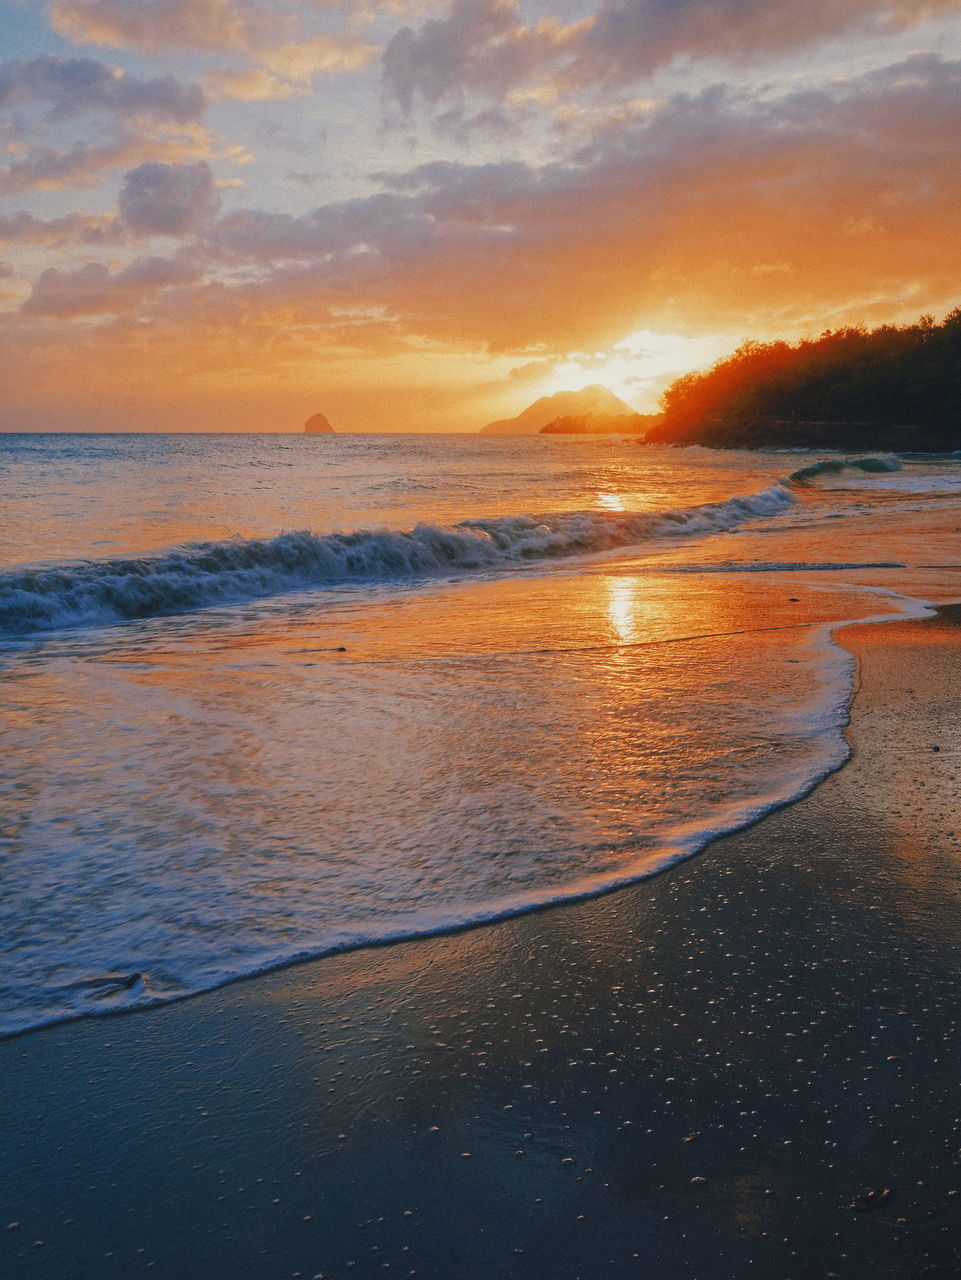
(318, 425)
(587, 402)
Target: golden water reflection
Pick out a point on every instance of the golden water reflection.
(622, 608)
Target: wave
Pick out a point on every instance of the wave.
(201, 575)
(803, 477)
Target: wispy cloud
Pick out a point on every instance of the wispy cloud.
(251, 84)
(168, 24)
(631, 38)
(285, 57)
(301, 60)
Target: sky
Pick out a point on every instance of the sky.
(414, 215)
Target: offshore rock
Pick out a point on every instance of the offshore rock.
(317, 425)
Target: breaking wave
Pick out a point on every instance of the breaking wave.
(95, 593)
(804, 476)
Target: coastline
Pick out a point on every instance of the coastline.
(695, 1076)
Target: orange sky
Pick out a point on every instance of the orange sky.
(408, 215)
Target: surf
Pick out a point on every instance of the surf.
(237, 570)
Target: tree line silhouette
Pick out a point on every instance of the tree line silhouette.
(894, 387)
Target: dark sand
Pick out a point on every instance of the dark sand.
(694, 1077)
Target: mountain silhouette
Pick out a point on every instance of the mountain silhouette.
(591, 400)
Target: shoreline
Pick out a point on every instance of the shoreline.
(696, 1075)
(691, 842)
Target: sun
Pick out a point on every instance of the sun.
(640, 366)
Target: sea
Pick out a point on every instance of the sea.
(268, 697)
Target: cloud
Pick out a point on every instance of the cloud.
(481, 46)
(631, 38)
(390, 222)
(722, 211)
(93, 289)
(216, 25)
(485, 48)
(288, 69)
(141, 119)
(71, 86)
(55, 169)
(168, 199)
(74, 228)
(46, 168)
(301, 60)
(673, 216)
(252, 84)
(150, 25)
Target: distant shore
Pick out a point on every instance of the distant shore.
(747, 1066)
(824, 436)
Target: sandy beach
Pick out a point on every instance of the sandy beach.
(747, 1066)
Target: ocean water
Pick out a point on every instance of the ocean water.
(267, 697)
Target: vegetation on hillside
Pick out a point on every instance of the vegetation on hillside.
(596, 424)
(895, 387)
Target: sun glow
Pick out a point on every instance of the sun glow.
(638, 368)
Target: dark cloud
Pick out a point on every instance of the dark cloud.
(93, 289)
(484, 47)
(388, 221)
(46, 168)
(168, 199)
(428, 210)
(72, 86)
(480, 46)
(54, 168)
(142, 120)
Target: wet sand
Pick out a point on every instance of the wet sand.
(702, 1076)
